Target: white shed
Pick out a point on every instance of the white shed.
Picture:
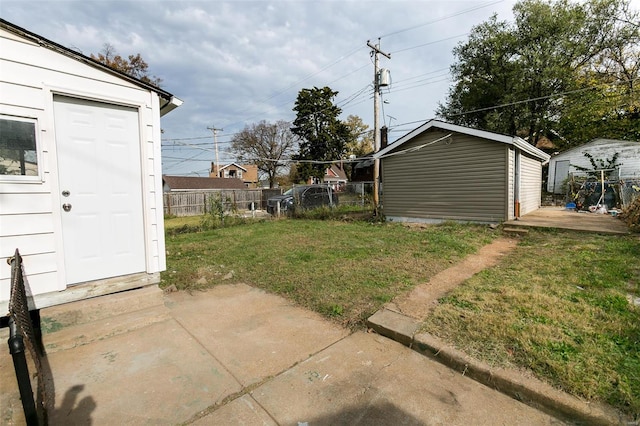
(80, 172)
(600, 149)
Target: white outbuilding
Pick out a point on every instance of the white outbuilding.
(572, 160)
(80, 172)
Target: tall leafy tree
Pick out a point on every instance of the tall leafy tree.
(361, 137)
(527, 77)
(360, 142)
(268, 146)
(133, 65)
(322, 136)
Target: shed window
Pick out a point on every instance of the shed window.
(18, 154)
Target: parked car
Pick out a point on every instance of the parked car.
(303, 197)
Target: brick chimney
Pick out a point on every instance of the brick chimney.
(384, 138)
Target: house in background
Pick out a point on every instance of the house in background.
(248, 173)
(442, 171)
(334, 175)
(84, 204)
(192, 183)
(561, 165)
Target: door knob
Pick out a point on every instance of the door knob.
(66, 207)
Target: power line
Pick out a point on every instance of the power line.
(453, 15)
(429, 43)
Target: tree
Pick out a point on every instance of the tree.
(531, 77)
(266, 145)
(134, 66)
(322, 136)
(360, 142)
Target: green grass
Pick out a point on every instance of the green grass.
(344, 270)
(558, 306)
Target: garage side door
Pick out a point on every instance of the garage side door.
(99, 172)
(530, 184)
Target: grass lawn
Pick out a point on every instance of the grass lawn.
(344, 270)
(557, 305)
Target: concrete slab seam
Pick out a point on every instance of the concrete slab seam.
(248, 390)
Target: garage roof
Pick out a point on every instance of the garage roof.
(510, 140)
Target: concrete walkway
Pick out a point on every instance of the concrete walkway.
(561, 218)
(237, 355)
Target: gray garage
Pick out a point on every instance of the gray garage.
(441, 171)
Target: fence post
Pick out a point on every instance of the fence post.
(16, 348)
(204, 202)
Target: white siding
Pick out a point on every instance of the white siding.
(511, 156)
(30, 75)
(629, 157)
(530, 184)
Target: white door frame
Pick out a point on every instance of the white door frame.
(57, 199)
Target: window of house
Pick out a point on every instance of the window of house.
(18, 152)
(239, 174)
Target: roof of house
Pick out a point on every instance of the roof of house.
(233, 164)
(336, 171)
(596, 142)
(510, 140)
(185, 183)
(168, 102)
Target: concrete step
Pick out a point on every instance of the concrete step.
(82, 334)
(78, 323)
(99, 308)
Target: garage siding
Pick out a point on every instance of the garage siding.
(460, 178)
(511, 186)
(530, 184)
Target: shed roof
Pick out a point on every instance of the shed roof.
(597, 141)
(168, 102)
(186, 183)
(497, 137)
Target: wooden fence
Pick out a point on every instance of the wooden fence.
(194, 203)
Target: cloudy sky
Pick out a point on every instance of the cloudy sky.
(235, 63)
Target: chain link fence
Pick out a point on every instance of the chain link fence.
(614, 192)
(23, 335)
(356, 195)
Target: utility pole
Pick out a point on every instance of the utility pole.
(215, 144)
(375, 51)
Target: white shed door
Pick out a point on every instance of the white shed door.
(99, 172)
(561, 173)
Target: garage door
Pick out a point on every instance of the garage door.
(99, 174)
